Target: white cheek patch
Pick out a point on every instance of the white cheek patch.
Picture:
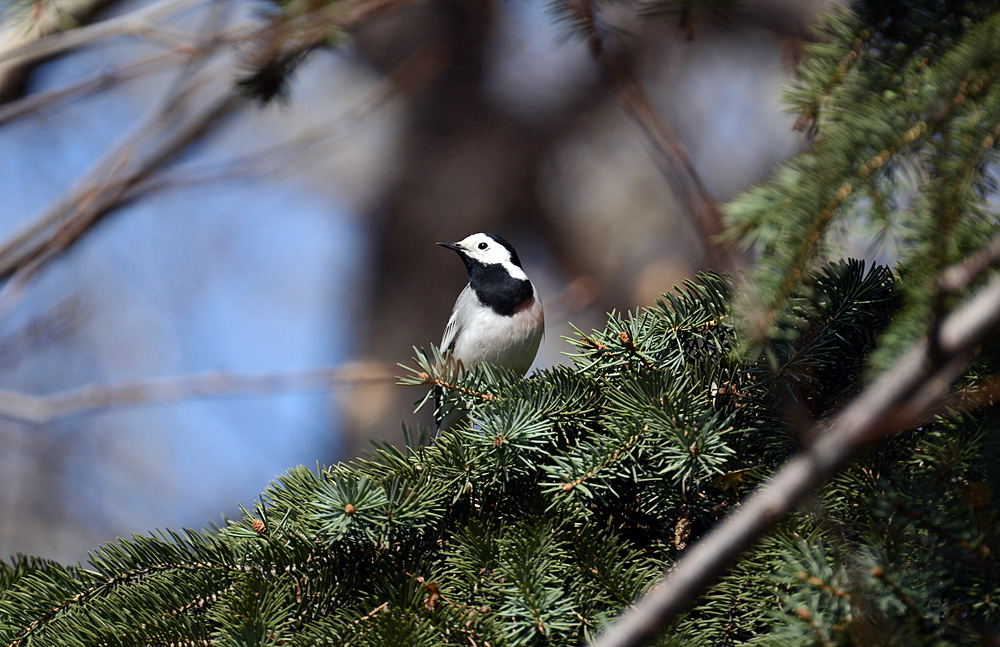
(515, 271)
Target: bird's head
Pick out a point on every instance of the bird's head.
(487, 249)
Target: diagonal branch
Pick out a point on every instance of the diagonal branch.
(33, 104)
(671, 158)
(901, 399)
(675, 165)
(182, 118)
(46, 19)
(64, 41)
(114, 180)
(960, 275)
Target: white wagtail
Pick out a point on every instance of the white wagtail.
(498, 317)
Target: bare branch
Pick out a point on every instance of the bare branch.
(133, 22)
(180, 120)
(46, 19)
(671, 158)
(112, 181)
(959, 276)
(409, 78)
(675, 165)
(900, 399)
(97, 397)
(34, 103)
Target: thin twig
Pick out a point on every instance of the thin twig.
(903, 397)
(131, 23)
(408, 79)
(671, 158)
(431, 380)
(111, 183)
(180, 120)
(959, 276)
(675, 165)
(634, 350)
(97, 397)
(34, 103)
(39, 232)
(46, 19)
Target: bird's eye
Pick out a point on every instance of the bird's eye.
(483, 245)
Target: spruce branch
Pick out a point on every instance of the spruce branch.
(464, 390)
(976, 550)
(901, 595)
(633, 350)
(933, 122)
(809, 112)
(620, 451)
(441, 371)
(900, 399)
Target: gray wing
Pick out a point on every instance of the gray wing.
(465, 300)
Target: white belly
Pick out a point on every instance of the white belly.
(488, 336)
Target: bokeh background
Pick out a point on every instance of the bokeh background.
(240, 309)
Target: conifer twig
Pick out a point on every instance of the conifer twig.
(631, 440)
(634, 350)
(901, 398)
(432, 380)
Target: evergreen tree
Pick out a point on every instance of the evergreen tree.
(563, 497)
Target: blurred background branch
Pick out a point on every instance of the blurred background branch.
(46, 24)
(93, 397)
(48, 43)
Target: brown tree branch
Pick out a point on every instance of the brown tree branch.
(675, 165)
(899, 400)
(958, 277)
(90, 398)
(47, 19)
(182, 118)
(112, 182)
(34, 103)
(63, 41)
(671, 157)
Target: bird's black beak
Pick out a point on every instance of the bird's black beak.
(453, 246)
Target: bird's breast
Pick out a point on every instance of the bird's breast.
(510, 341)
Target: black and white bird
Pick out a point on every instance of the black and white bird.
(498, 317)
